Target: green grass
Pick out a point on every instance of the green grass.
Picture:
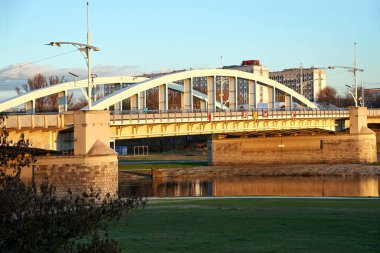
(149, 166)
(252, 225)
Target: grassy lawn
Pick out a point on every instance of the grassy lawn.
(149, 166)
(252, 225)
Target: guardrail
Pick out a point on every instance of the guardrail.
(62, 120)
(373, 113)
(132, 118)
(19, 121)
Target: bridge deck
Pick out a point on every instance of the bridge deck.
(44, 129)
(203, 116)
(63, 120)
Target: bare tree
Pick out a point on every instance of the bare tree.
(79, 104)
(70, 100)
(327, 96)
(37, 82)
(52, 100)
(48, 103)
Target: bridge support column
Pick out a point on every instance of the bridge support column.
(358, 121)
(89, 128)
(211, 93)
(94, 164)
(203, 105)
(30, 106)
(134, 102)
(252, 101)
(232, 93)
(62, 101)
(163, 97)
(288, 101)
(118, 106)
(271, 97)
(187, 96)
(142, 100)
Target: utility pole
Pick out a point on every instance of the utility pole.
(89, 91)
(301, 81)
(362, 100)
(353, 70)
(355, 84)
(85, 49)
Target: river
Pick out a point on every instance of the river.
(328, 186)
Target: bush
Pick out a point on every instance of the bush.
(33, 219)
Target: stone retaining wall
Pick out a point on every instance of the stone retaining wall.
(343, 148)
(78, 173)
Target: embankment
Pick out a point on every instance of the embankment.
(271, 170)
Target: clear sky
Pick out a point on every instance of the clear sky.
(142, 36)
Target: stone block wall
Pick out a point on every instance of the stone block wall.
(294, 150)
(78, 173)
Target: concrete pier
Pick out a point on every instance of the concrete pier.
(94, 164)
(359, 146)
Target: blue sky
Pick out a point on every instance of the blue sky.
(149, 36)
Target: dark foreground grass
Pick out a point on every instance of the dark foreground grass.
(253, 225)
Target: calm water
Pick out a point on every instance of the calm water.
(352, 186)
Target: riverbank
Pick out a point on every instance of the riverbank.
(252, 225)
(197, 155)
(271, 170)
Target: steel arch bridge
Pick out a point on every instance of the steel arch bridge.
(254, 82)
(136, 91)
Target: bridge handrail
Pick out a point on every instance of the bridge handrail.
(373, 112)
(62, 120)
(143, 116)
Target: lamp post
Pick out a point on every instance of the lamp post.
(85, 49)
(353, 69)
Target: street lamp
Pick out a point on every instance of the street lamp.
(349, 88)
(353, 69)
(85, 49)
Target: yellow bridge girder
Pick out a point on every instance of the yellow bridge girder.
(130, 126)
(43, 129)
(147, 130)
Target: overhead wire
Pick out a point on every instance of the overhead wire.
(15, 76)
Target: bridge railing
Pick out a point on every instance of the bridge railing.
(62, 120)
(373, 113)
(18, 121)
(156, 116)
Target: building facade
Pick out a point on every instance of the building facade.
(313, 79)
(306, 81)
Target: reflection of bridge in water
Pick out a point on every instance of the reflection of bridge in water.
(354, 186)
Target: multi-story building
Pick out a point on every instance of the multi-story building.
(313, 80)
(251, 66)
(375, 92)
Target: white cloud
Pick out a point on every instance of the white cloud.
(26, 70)
(4, 94)
(109, 70)
(16, 75)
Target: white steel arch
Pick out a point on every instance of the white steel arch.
(63, 87)
(187, 76)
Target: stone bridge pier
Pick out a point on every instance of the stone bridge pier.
(357, 146)
(94, 164)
